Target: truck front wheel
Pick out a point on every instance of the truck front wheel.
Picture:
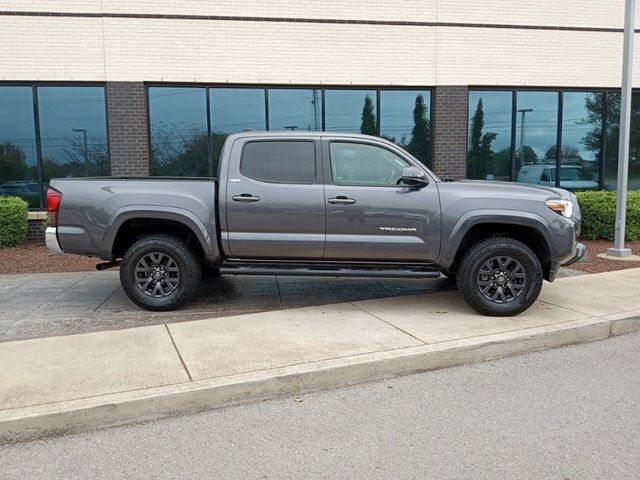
(500, 277)
(160, 272)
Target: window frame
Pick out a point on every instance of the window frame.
(36, 118)
(295, 86)
(280, 140)
(371, 144)
(514, 90)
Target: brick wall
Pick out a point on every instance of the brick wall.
(128, 133)
(450, 131)
(35, 232)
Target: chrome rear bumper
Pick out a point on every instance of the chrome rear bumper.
(51, 238)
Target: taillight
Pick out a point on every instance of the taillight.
(53, 205)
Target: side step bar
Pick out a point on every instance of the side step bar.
(330, 270)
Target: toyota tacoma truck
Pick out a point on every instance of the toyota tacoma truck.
(320, 204)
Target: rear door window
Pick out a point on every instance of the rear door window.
(279, 162)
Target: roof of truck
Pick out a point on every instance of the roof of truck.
(304, 133)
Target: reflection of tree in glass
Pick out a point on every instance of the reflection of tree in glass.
(77, 162)
(592, 139)
(420, 144)
(179, 154)
(16, 176)
(568, 154)
(13, 163)
(368, 126)
(480, 158)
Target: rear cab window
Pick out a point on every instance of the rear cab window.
(284, 161)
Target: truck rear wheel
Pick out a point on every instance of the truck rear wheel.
(160, 272)
(500, 277)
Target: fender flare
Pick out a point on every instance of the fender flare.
(207, 239)
(466, 222)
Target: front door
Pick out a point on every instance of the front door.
(370, 217)
(274, 200)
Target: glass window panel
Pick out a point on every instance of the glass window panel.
(295, 109)
(233, 110)
(404, 120)
(279, 162)
(364, 165)
(489, 144)
(612, 139)
(18, 158)
(351, 111)
(73, 132)
(178, 120)
(536, 134)
(581, 139)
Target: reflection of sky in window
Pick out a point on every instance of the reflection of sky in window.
(234, 109)
(295, 109)
(344, 109)
(496, 106)
(540, 124)
(63, 109)
(574, 113)
(396, 113)
(180, 110)
(16, 120)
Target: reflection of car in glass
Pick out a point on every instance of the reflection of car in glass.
(19, 188)
(571, 176)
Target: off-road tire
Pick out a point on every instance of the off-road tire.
(187, 263)
(471, 281)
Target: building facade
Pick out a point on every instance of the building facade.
(499, 89)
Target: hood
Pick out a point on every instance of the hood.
(493, 185)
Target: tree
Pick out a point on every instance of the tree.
(592, 139)
(180, 154)
(420, 144)
(13, 163)
(368, 125)
(480, 160)
(568, 154)
(527, 155)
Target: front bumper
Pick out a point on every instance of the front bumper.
(580, 251)
(51, 238)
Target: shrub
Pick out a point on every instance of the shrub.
(599, 214)
(13, 221)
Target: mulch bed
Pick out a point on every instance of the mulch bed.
(591, 263)
(35, 258)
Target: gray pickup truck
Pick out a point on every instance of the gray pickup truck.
(320, 204)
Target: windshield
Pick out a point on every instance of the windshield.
(571, 173)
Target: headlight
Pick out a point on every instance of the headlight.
(561, 206)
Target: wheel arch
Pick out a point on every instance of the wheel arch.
(529, 229)
(129, 225)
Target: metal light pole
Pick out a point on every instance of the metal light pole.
(85, 148)
(618, 249)
(523, 111)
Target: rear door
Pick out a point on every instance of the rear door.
(370, 217)
(274, 201)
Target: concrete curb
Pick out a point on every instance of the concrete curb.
(29, 423)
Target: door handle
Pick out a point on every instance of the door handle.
(245, 198)
(342, 200)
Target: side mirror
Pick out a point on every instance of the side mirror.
(414, 177)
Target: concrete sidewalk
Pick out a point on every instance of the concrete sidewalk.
(67, 384)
